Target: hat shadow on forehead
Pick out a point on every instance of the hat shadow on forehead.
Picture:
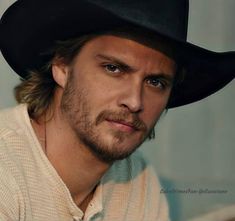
(145, 37)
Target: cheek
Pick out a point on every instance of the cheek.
(152, 115)
(103, 94)
(153, 110)
(98, 84)
(97, 98)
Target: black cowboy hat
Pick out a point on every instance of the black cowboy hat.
(29, 27)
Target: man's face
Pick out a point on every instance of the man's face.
(115, 93)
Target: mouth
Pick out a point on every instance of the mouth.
(122, 125)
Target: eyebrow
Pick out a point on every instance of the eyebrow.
(128, 68)
(117, 61)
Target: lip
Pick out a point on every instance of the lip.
(122, 125)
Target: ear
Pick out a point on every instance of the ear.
(60, 74)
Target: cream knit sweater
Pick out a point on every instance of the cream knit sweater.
(31, 189)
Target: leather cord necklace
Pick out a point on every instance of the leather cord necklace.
(42, 139)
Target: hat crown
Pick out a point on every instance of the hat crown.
(165, 16)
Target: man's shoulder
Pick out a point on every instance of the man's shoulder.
(9, 164)
(11, 131)
(9, 121)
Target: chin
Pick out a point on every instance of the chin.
(110, 149)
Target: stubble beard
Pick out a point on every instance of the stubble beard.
(75, 108)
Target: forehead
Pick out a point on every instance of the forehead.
(128, 50)
(147, 39)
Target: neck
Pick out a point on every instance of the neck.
(80, 170)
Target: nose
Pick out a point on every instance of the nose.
(132, 97)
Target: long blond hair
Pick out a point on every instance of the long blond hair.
(37, 89)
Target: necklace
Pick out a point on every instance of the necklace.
(45, 136)
(41, 138)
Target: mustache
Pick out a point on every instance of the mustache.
(123, 116)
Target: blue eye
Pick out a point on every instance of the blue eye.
(112, 68)
(156, 82)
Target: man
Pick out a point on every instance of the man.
(97, 77)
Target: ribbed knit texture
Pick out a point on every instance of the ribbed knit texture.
(31, 189)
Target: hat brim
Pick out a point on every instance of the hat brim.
(27, 32)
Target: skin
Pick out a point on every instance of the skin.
(109, 98)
